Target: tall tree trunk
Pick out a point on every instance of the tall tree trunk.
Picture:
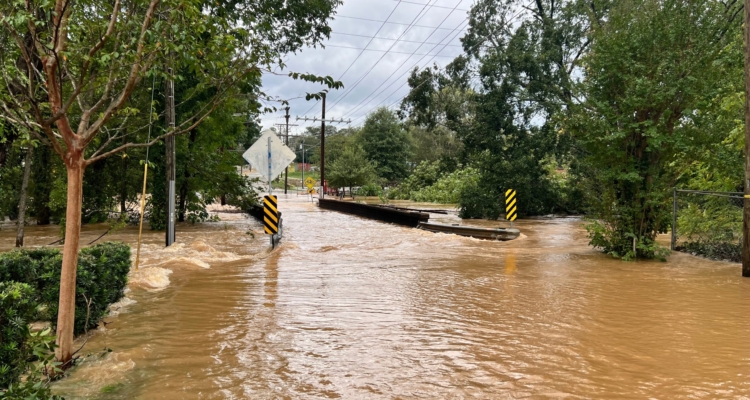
(24, 192)
(42, 173)
(124, 186)
(66, 313)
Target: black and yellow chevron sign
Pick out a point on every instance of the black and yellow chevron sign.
(510, 205)
(270, 215)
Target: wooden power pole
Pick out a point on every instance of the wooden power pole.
(169, 144)
(323, 140)
(323, 148)
(746, 200)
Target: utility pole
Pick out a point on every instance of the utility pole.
(169, 144)
(746, 200)
(286, 142)
(323, 149)
(323, 121)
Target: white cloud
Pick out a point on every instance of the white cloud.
(333, 61)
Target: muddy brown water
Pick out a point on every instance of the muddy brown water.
(357, 309)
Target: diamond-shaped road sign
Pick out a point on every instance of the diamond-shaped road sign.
(257, 155)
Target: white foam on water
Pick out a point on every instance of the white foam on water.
(116, 308)
(150, 277)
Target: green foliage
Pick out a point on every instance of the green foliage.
(426, 174)
(448, 189)
(10, 180)
(351, 168)
(636, 122)
(101, 279)
(431, 183)
(627, 246)
(371, 189)
(17, 308)
(710, 226)
(38, 372)
(386, 144)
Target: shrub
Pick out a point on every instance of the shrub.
(17, 308)
(424, 175)
(101, 278)
(23, 265)
(38, 372)
(370, 190)
(448, 188)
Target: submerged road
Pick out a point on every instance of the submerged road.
(357, 309)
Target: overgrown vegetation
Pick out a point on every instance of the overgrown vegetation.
(592, 107)
(29, 290)
(87, 79)
(100, 280)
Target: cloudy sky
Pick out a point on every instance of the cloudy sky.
(376, 76)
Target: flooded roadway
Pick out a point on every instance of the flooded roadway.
(357, 309)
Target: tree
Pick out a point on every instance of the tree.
(386, 144)
(351, 168)
(71, 67)
(524, 57)
(437, 110)
(653, 66)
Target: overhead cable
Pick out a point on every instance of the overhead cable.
(351, 89)
(360, 53)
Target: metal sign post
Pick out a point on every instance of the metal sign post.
(270, 189)
(277, 157)
(510, 206)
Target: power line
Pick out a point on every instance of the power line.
(361, 103)
(383, 51)
(351, 89)
(400, 87)
(361, 52)
(421, 4)
(477, 45)
(393, 23)
(385, 38)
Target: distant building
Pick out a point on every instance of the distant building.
(307, 167)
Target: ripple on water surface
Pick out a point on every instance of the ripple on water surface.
(352, 308)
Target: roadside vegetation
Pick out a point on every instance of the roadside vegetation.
(585, 107)
(593, 107)
(29, 290)
(83, 109)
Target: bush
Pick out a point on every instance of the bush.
(38, 372)
(101, 278)
(23, 265)
(448, 188)
(370, 190)
(17, 308)
(424, 175)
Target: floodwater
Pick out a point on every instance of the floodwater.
(357, 309)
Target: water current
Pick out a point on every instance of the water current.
(357, 309)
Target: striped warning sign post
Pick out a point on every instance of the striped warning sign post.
(270, 215)
(510, 206)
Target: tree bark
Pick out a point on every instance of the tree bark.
(24, 195)
(66, 313)
(746, 208)
(124, 184)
